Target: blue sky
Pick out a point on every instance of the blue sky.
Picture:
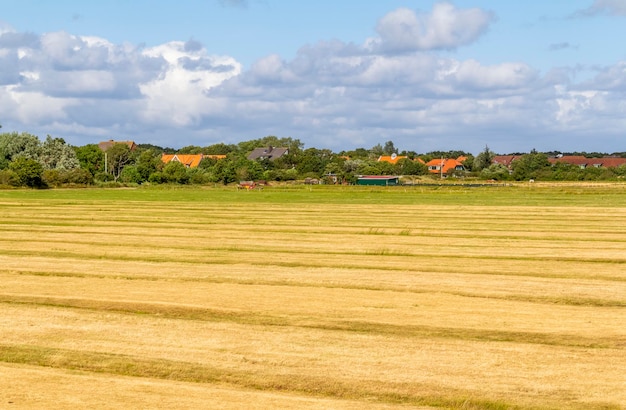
(342, 74)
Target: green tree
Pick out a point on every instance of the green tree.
(147, 163)
(219, 149)
(29, 171)
(190, 149)
(376, 151)
(409, 167)
(175, 172)
(313, 161)
(130, 174)
(389, 148)
(496, 172)
(529, 166)
(483, 160)
(13, 145)
(91, 158)
(57, 154)
(117, 157)
(294, 145)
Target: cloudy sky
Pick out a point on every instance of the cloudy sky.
(338, 74)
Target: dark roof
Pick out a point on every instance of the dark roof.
(270, 153)
(105, 145)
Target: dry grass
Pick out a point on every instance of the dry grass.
(317, 305)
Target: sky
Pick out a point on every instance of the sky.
(337, 74)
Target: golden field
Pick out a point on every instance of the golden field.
(280, 299)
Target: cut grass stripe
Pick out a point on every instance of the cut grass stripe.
(199, 373)
(179, 312)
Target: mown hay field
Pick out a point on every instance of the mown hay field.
(313, 297)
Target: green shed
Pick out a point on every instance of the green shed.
(380, 180)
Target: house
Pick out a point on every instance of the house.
(584, 162)
(188, 160)
(105, 145)
(444, 165)
(270, 153)
(380, 180)
(392, 159)
(505, 160)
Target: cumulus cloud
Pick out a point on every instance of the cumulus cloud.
(331, 94)
(446, 27)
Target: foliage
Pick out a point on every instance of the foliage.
(483, 160)
(117, 157)
(91, 158)
(148, 162)
(29, 172)
(14, 145)
(390, 148)
(57, 154)
(496, 172)
(175, 172)
(410, 167)
(294, 145)
(529, 166)
(130, 174)
(219, 149)
(9, 178)
(61, 177)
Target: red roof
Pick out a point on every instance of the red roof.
(581, 161)
(505, 160)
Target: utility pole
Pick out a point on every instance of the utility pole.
(441, 169)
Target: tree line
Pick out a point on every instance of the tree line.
(25, 160)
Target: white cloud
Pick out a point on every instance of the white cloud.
(332, 94)
(446, 27)
(613, 7)
(178, 95)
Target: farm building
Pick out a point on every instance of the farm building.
(381, 180)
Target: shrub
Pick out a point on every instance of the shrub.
(9, 178)
(29, 172)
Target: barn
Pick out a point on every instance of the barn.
(380, 180)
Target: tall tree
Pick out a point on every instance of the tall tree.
(389, 148)
(91, 158)
(56, 154)
(117, 157)
(13, 145)
(483, 160)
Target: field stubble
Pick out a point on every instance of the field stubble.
(321, 304)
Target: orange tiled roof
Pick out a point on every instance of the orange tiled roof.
(188, 160)
(435, 165)
(392, 159)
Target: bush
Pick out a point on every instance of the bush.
(103, 177)
(9, 178)
(60, 177)
(29, 172)
(130, 174)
